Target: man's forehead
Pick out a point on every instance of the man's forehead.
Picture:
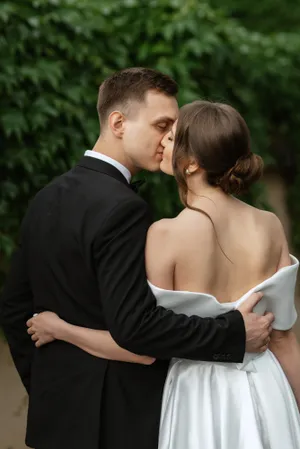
(161, 107)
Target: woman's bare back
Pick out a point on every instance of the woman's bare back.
(226, 259)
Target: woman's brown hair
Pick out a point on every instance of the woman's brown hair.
(217, 137)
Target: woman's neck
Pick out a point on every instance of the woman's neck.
(198, 188)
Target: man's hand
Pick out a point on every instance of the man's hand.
(44, 328)
(258, 328)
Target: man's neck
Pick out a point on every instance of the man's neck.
(111, 150)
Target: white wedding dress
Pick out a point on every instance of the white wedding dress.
(216, 405)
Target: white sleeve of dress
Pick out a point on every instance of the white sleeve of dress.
(279, 297)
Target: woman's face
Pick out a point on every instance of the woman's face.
(167, 142)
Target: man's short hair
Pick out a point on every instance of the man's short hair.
(130, 85)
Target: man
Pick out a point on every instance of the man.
(82, 256)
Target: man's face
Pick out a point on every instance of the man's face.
(145, 129)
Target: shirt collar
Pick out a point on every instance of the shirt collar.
(124, 170)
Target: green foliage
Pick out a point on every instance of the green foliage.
(55, 53)
(267, 16)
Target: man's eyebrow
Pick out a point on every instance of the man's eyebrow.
(164, 118)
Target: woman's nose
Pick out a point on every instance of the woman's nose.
(163, 141)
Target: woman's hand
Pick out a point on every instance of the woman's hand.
(44, 328)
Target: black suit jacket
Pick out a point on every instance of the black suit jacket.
(82, 256)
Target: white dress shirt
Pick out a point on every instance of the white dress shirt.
(125, 172)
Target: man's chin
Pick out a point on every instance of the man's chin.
(153, 168)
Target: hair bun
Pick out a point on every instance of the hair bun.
(246, 171)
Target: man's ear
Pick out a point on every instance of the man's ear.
(116, 122)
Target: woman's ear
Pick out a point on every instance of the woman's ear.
(192, 167)
(116, 122)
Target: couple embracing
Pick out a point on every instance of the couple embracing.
(171, 335)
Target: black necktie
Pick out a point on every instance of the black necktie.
(137, 184)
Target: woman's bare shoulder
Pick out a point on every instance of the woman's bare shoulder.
(192, 224)
(161, 228)
(181, 228)
(270, 220)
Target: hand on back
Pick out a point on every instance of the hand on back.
(258, 328)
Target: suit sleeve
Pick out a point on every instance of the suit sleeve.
(16, 307)
(133, 317)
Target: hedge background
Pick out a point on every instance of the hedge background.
(55, 53)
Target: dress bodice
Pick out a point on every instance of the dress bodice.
(278, 290)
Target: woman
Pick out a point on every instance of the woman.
(228, 249)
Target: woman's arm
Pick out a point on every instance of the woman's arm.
(47, 326)
(285, 347)
(160, 247)
(284, 344)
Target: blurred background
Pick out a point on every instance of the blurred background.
(55, 54)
